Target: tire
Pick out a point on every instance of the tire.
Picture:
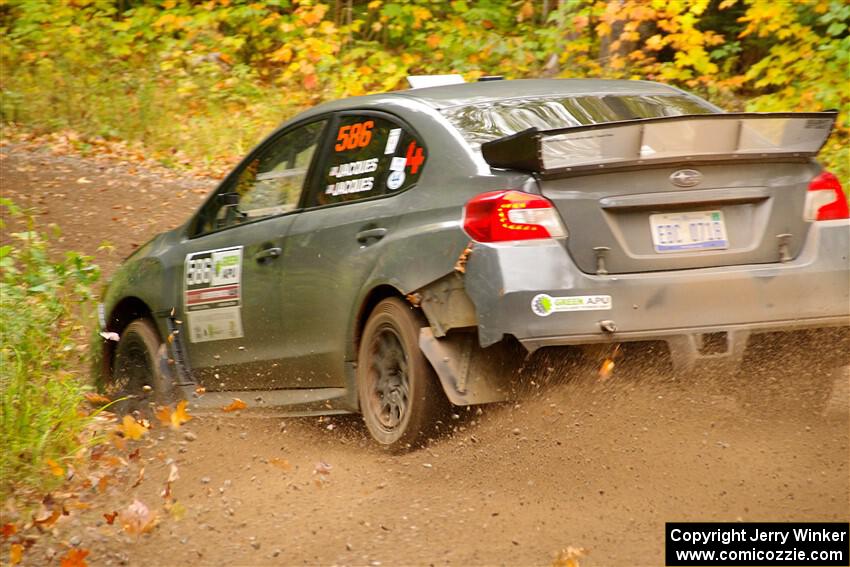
(136, 365)
(399, 395)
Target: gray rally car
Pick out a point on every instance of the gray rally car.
(380, 254)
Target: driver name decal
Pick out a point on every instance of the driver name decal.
(213, 294)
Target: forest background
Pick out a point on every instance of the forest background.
(195, 84)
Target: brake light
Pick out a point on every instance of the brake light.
(825, 199)
(503, 216)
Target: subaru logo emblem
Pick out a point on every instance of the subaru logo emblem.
(686, 177)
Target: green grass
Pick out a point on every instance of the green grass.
(43, 307)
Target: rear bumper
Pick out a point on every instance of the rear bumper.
(811, 291)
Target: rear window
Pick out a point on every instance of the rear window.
(481, 123)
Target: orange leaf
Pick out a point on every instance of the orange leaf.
(8, 530)
(96, 399)
(526, 11)
(281, 463)
(606, 369)
(163, 414)
(75, 558)
(110, 518)
(235, 405)
(55, 467)
(49, 520)
(132, 429)
(16, 553)
(311, 81)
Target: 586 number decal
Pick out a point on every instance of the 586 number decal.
(354, 136)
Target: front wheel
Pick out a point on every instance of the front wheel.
(136, 377)
(398, 391)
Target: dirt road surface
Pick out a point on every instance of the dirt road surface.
(600, 466)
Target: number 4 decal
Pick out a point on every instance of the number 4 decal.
(415, 158)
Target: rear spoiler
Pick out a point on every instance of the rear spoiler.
(669, 139)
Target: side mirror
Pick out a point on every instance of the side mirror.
(228, 199)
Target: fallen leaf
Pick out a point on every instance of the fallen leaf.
(83, 181)
(131, 429)
(16, 553)
(235, 405)
(135, 454)
(55, 467)
(139, 478)
(103, 483)
(75, 558)
(569, 557)
(8, 530)
(45, 521)
(177, 511)
(200, 390)
(281, 463)
(110, 336)
(173, 473)
(322, 468)
(110, 518)
(180, 415)
(96, 399)
(606, 369)
(137, 518)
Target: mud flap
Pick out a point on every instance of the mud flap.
(725, 350)
(469, 374)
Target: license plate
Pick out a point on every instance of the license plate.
(678, 232)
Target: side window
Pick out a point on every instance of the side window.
(270, 184)
(366, 156)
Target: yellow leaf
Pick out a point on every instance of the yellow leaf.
(180, 415)
(55, 467)
(132, 429)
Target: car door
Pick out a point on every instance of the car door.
(348, 214)
(233, 265)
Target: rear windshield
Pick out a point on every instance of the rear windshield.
(481, 123)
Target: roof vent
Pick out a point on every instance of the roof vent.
(423, 81)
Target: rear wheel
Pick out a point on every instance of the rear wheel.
(136, 376)
(398, 391)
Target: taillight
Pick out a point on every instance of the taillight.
(825, 199)
(502, 216)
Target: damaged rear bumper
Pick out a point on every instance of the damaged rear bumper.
(536, 294)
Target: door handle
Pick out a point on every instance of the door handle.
(267, 255)
(365, 236)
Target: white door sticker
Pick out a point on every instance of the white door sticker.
(212, 296)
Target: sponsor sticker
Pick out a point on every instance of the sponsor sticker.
(354, 168)
(350, 186)
(213, 294)
(392, 141)
(544, 305)
(398, 164)
(395, 180)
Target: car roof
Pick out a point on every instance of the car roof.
(491, 91)
(463, 94)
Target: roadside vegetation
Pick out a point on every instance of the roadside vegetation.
(196, 84)
(44, 307)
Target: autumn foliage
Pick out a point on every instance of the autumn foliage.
(199, 82)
